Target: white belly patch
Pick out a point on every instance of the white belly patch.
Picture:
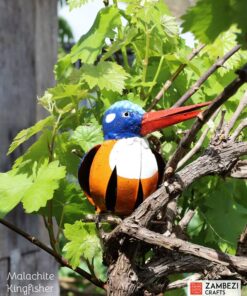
(133, 159)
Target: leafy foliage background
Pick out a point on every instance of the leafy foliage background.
(128, 54)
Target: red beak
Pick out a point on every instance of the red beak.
(153, 121)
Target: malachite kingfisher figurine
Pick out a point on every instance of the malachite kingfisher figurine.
(120, 173)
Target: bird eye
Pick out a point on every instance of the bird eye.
(126, 114)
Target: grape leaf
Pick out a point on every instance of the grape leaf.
(72, 211)
(90, 45)
(83, 242)
(63, 68)
(63, 152)
(87, 136)
(105, 75)
(129, 35)
(69, 204)
(45, 182)
(221, 206)
(62, 91)
(207, 19)
(25, 134)
(223, 44)
(12, 189)
(170, 25)
(37, 152)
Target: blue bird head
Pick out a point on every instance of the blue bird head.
(125, 119)
(122, 120)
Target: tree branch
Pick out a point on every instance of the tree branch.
(238, 130)
(176, 244)
(219, 63)
(104, 217)
(184, 282)
(50, 251)
(239, 170)
(240, 108)
(173, 262)
(170, 215)
(184, 222)
(242, 244)
(174, 76)
(198, 144)
(203, 117)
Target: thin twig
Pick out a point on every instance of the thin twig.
(240, 108)
(184, 222)
(242, 243)
(104, 217)
(198, 144)
(239, 170)
(174, 76)
(203, 117)
(170, 215)
(222, 120)
(51, 235)
(219, 63)
(90, 267)
(146, 59)
(238, 130)
(49, 224)
(50, 251)
(184, 282)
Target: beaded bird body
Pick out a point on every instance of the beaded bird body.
(120, 173)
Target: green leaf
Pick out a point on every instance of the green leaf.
(105, 75)
(87, 136)
(69, 204)
(25, 134)
(223, 44)
(63, 68)
(84, 242)
(149, 13)
(208, 19)
(12, 189)
(170, 25)
(63, 152)
(224, 216)
(76, 3)
(45, 182)
(62, 91)
(129, 35)
(37, 152)
(90, 44)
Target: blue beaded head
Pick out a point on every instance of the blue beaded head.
(122, 120)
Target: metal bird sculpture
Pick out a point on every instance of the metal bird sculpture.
(121, 172)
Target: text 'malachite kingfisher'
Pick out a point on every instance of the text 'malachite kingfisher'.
(121, 172)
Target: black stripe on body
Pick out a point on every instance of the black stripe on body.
(161, 166)
(139, 198)
(84, 169)
(111, 192)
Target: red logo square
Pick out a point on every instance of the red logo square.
(195, 288)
